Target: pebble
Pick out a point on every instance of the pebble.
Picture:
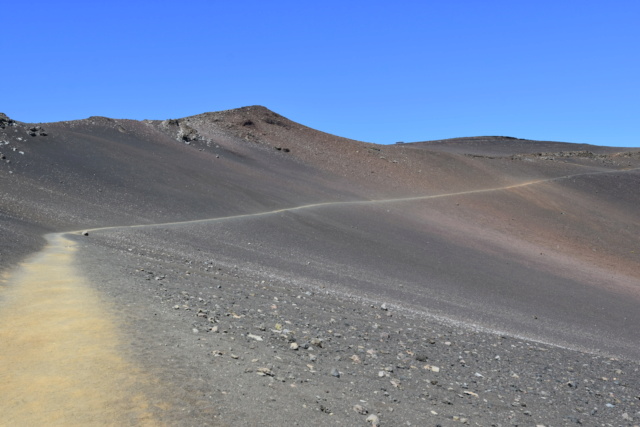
(373, 419)
(360, 410)
(254, 337)
(264, 372)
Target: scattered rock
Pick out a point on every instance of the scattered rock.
(415, 373)
(421, 357)
(374, 420)
(360, 410)
(254, 337)
(265, 372)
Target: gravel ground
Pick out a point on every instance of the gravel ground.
(235, 345)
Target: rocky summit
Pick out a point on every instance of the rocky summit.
(236, 268)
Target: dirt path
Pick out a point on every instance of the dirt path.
(61, 361)
(368, 202)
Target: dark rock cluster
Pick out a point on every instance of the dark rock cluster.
(37, 130)
(5, 121)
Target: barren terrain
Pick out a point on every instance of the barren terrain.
(238, 268)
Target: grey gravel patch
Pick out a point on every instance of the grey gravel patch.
(354, 364)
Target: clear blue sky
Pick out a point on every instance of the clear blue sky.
(377, 71)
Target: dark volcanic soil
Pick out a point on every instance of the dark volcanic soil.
(233, 344)
(481, 281)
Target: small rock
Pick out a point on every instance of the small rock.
(294, 346)
(264, 372)
(254, 337)
(374, 420)
(360, 410)
(335, 373)
(421, 357)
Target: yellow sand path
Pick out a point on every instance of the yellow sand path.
(60, 361)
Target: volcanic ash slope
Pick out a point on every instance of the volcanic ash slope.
(268, 272)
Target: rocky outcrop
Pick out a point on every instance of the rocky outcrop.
(184, 132)
(36, 130)
(5, 121)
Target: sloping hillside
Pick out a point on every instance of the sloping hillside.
(203, 220)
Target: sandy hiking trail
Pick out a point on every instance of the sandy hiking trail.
(61, 361)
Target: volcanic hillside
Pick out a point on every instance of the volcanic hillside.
(528, 238)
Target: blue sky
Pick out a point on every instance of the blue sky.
(368, 70)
